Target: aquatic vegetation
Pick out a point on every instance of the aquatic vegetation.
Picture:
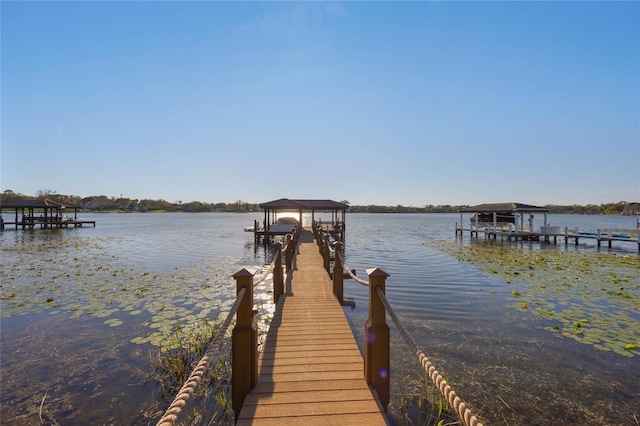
(419, 402)
(85, 279)
(116, 310)
(591, 297)
(173, 362)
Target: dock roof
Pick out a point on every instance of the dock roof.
(504, 208)
(298, 204)
(38, 203)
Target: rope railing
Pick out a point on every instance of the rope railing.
(276, 258)
(441, 383)
(377, 343)
(266, 273)
(348, 271)
(187, 390)
(244, 332)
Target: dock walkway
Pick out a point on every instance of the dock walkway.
(310, 369)
(599, 237)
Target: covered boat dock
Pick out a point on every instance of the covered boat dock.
(274, 225)
(41, 213)
(505, 219)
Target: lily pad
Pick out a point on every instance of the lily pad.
(582, 290)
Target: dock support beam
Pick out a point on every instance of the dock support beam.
(338, 279)
(292, 246)
(377, 358)
(278, 275)
(326, 253)
(245, 344)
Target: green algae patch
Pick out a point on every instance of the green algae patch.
(593, 298)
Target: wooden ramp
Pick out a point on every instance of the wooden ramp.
(311, 371)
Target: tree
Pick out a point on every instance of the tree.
(45, 193)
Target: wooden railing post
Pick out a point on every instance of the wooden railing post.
(318, 235)
(377, 339)
(338, 280)
(296, 240)
(244, 344)
(278, 277)
(288, 254)
(326, 254)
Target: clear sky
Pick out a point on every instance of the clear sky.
(388, 103)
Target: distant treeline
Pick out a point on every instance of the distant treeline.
(619, 208)
(102, 203)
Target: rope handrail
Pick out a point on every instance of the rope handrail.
(331, 250)
(265, 274)
(464, 413)
(272, 265)
(287, 239)
(347, 270)
(171, 415)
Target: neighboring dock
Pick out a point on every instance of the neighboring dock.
(600, 235)
(29, 222)
(41, 213)
(507, 221)
(310, 368)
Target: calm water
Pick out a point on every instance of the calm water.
(73, 300)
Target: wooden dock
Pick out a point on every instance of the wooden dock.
(310, 370)
(41, 213)
(48, 224)
(600, 236)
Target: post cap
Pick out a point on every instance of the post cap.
(245, 272)
(377, 272)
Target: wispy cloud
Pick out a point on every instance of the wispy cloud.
(299, 21)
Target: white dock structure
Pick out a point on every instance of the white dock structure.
(507, 220)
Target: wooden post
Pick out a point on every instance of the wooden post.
(318, 235)
(377, 339)
(244, 344)
(296, 241)
(278, 278)
(495, 224)
(338, 280)
(288, 255)
(326, 254)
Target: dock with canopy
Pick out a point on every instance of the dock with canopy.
(274, 225)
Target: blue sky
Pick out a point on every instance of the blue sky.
(389, 103)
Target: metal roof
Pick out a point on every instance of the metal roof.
(503, 208)
(39, 203)
(297, 204)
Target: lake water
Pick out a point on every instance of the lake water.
(82, 309)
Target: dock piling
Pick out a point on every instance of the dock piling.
(244, 343)
(377, 358)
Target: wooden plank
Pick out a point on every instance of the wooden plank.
(304, 385)
(306, 358)
(320, 420)
(283, 411)
(310, 396)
